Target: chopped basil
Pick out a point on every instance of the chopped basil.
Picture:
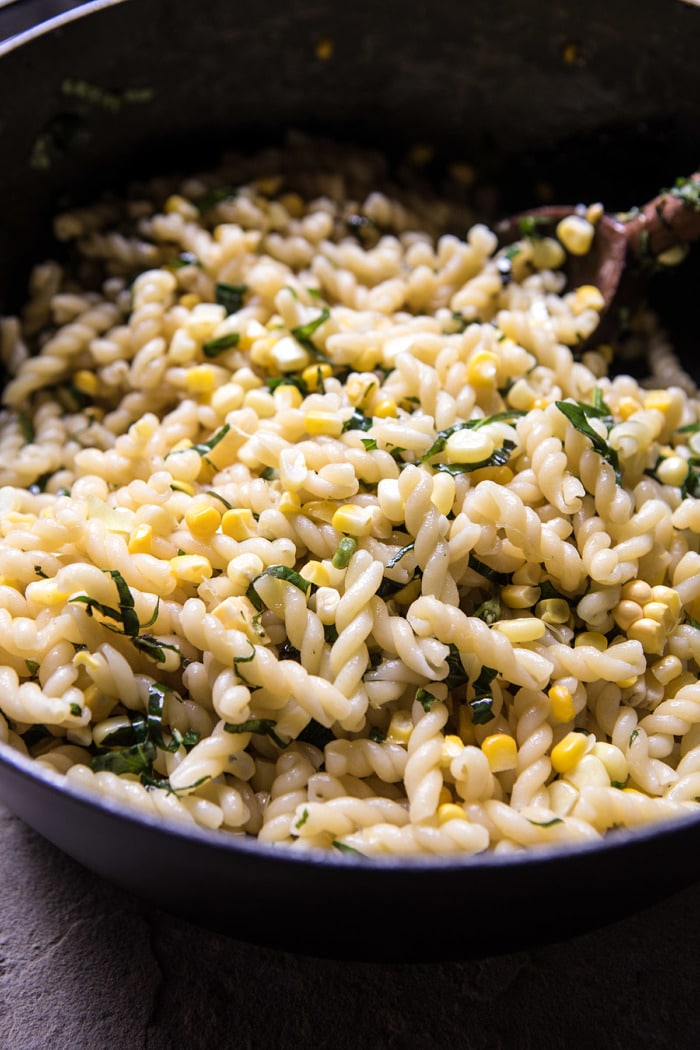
(207, 200)
(303, 333)
(687, 190)
(184, 259)
(633, 736)
(156, 649)
(136, 759)
(230, 296)
(482, 704)
(207, 446)
(279, 572)
(288, 380)
(216, 495)
(357, 421)
(545, 823)
(490, 610)
(344, 552)
(399, 555)
(264, 726)
(459, 319)
(316, 734)
(425, 699)
(369, 443)
(469, 424)
(486, 571)
(40, 572)
(617, 784)
(330, 633)
(529, 224)
(456, 675)
(76, 709)
(214, 347)
(377, 735)
(343, 848)
(25, 425)
(576, 413)
(32, 666)
(302, 819)
(498, 458)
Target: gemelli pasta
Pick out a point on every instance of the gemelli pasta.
(317, 528)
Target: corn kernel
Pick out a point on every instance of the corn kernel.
(518, 596)
(443, 494)
(445, 796)
(323, 423)
(661, 400)
(227, 398)
(450, 811)
(203, 522)
(46, 593)
(589, 772)
(238, 523)
(87, 660)
(286, 395)
(141, 539)
(367, 361)
(649, 633)
(576, 234)
(262, 402)
(451, 747)
(626, 612)
(316, 572)
(501, 752)
(562, 703)
(182, 486)
(482, 368)
(660, 612)
(353, 519)
(614, 761)
(673, 256)
(86, 382)
(548, 254)
(400, 728)
(672, 471)
(627, 407)
(178, 205)
(191, 568)
(587, 297)
(189, 300)
(593, 638)
(553, 610)
(669, 596)
(409, 593)
(666, 669)
(636, 591)
(521, 629)
(289, 502)
(314, 375)
(540, 402)
(201, 379)
(500, 475)
(468, 446)
(594, 212)
(385, 408)
(627, 683)
(569, 752)
(287, 355)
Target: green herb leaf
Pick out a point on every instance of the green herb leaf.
(230, 296)
(357, 421)
(545, 823)
(136, 759)
(316, 734)
(76, 709)
(265, 726)
(205, 447)
(490, 610)
(425, 699)
(575, 412)
(399, 555)
(207, 200)
(32, 666)
(469, 424)
(498, 458)
(343, 848)
(303, 333)
(214, 347)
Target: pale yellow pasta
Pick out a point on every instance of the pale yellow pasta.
(317, 527)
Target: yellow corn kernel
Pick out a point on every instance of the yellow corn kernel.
(450, 811)
(589, 772)
(141, 539)
(562, 703)
(672, 471)
(260, 350)
(626, 613)
(367, 361)
(501, 475)
(482, 368)
(540, 402)
(200, 380)
(519, 596)
(569, 752)
(182, 486)
(289, 502)
(553, 610)
(636, 591)
(316, 572)
(190, 300)
(287, 355)
(666, 669)
(323, 423)
(465, 726)
(593, 638)
(587, 297)
(649, 633)
(286, 395)
(203, 522)
(627, 683)
(400, 728)
(451, 747)
(443, 494)
(445, 795)
(251, 334)
(627, 407)
(314, 375)
(501, 752)
(614, 761)
(594, 212)
(468, 446)
(227, 398)
(661, 400)
(191, 568)
(385, 408)
(576, 234)
(353, 519)
(238, 523)
(521, 629)
(46, 593)
(548, 254)
(86, 382)
(262, 402)
(669, 596)
(320, 509)
(660, 612)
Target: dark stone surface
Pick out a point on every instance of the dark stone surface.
(84, 966)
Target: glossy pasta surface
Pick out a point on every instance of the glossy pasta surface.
(316, 529)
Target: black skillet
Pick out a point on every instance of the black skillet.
(565, 102)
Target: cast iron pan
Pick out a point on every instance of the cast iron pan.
(602, 101)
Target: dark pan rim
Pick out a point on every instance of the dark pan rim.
(652, 835)
(56, 21)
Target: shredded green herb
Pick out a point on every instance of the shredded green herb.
(577, 414)
(214, 347)
(264, 726)
(303, 333)
(230, 296)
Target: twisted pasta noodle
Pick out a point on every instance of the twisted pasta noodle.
(293, 770)
(422, 775)
(534, 737)
(361, 758)
(454, 837)
(342, 816)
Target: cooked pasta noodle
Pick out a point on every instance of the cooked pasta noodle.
(315, 528)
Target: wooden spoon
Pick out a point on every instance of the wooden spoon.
(627, 248)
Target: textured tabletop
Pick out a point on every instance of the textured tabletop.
(84, 965)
